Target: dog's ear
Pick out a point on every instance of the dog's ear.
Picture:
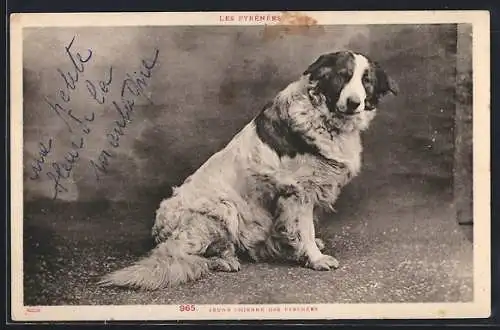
(385, 84)
(321, 68)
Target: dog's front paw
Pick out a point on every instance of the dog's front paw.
(325, 262)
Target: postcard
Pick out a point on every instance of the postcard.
(250, 165)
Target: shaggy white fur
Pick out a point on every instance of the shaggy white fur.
(248, 198)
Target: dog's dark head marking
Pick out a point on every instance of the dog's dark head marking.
(332, 72)
(349, 81)
(377, 84)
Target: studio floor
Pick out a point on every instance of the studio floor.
(397, 240)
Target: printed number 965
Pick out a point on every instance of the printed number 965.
(187, 308)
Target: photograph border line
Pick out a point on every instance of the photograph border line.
(480, 307)
(211, 18)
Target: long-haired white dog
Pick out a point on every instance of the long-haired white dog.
(257, 195)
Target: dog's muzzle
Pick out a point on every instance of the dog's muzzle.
(350, 107)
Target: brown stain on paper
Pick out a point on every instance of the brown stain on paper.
(292, 23)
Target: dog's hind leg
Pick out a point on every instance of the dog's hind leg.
(294, 223)
(222, 257)
(178, 259)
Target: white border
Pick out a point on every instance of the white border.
(480, 307)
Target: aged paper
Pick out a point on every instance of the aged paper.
(110, 111)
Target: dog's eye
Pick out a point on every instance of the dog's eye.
(366, 80)
(338, 80)
(343, 74)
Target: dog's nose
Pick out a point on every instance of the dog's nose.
(353, 103)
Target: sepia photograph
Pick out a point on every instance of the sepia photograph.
(267, 165)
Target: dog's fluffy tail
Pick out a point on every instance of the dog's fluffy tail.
(166, 266)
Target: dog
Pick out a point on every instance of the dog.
(257, 195)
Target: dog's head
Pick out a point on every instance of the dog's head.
(350, 84)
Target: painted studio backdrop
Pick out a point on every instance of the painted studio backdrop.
(114, 117)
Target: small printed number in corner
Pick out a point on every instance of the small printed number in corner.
(31, 310)
(187, 308)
